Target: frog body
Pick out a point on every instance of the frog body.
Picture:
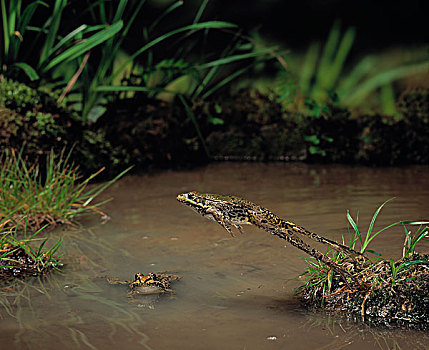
(232, 211)
(148, 284)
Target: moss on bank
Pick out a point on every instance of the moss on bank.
(33, 118)
(384, 298)
(247, 125)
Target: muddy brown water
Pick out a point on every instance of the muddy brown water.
(236, 293)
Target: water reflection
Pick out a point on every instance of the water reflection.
(235, 293)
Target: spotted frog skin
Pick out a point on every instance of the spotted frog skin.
(233, 211)
(151, 283)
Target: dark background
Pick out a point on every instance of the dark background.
(293, 24)
(296, 23)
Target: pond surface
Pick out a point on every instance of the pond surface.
(235, 293)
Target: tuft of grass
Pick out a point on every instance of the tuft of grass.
(405, 281)
(370, 234)
(324, 78)
(50, 196)
(18, 54)
(411, 240)
(19, 257)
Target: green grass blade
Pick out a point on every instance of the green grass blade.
(131, 20)
(115, 88)
(27, 69)
(55, 247)
(194, 121)
(411, 263)
(341, 55)
(13, 9)
(98, 189)
(6, 32)
(84, 46)
(67, 38)
(120, 10)
(39, 250)
(370, 237)
(27, 15)
(54, 25)
(170, 9)
(200, 11)
(309, 68)
(225, 81)
(364, 89)
(355, 227)
(233, 58)
(328, 54)
(196, 26)
(414, 222)
(362, 69)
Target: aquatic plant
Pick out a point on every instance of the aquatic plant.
(181, 75)
(49, 196)
(56, 49)
(19, 257)
(383, 291)
(64, 61)
(322, 78)
(100, 80)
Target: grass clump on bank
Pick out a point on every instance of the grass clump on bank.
(19, 257)
(33, 198)
(49, 196)
(382, 292)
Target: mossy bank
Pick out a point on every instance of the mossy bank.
(246, 125)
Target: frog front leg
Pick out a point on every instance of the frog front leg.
(238, 227)
(220, 218)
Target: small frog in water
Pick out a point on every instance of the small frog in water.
(151, 283)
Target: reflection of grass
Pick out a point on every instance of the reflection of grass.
(77, 308)
(382, 291)
(51, 196)
(31, 199)
(347, 332)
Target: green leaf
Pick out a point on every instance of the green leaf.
(359, 92)
(28, 70)
(54, 23)
(224, 81)
(313, 139)
(414, 262)
(6, 33)
(215, 121)
(192, 27)
(316, 150)
(370, 237)
(233, 58)
(353, 224)
(373, 252)
(218, 108)
(194, 121)
(84, 46)
(95, 113)
(67, 38)
(165, 13)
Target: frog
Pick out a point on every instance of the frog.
(147, 284)
(232, 211)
